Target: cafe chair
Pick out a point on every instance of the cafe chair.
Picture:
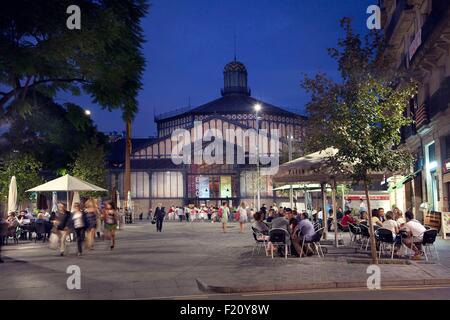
(385, 237)
(355, 232)
(315, 240)
(365, 235)
(260, 241)
(279, 237)
(428, 240)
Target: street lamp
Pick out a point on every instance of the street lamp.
(290, 138)
(257, 108)
(87, 112)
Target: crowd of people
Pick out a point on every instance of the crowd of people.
(190, 213)
(82, 224)
(298, 227)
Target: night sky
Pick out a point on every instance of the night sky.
(190, 41)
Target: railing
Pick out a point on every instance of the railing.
(173, 113)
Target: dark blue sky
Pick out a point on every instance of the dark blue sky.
(190, 41)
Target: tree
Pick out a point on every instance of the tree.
(51, 132)
(90, 164)
(26, 169)
(362, 115)
(39, 53)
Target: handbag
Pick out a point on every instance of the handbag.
(53, 241)
(153, 221)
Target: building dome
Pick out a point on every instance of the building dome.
(235, 66)
(235, 79)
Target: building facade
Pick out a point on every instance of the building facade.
(418, 35)
(157, 178)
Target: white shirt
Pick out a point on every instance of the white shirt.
(390, 225)
(78, 220)
(416, 228)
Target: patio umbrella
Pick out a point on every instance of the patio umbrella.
(76, 199)
(12, 195)
(54, 201)
(68, 184)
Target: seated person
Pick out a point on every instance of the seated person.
(391, 224)
(330, 219)
(415, 232)
(259, 224)
(304, 230)
(381, 214)
(271, 215)
(376, 218)
(398, 217)
(363, 217)
(347, 219)
(12, 221)
(282, 222)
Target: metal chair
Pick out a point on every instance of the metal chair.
(385, 236)
(428, 240)
(279, 237)
(315, 240)
(260, 241)
(41, 232)
(355, 232)
(365, 235)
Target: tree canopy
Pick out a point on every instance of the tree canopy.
(103, 59)
(362, 114)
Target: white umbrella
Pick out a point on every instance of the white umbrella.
(118, 204)
(67, 183)
(76, 199)
(54, 201)
(12, 195)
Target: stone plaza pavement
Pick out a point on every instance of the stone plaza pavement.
(187, 260)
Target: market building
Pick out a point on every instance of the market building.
(157, 179)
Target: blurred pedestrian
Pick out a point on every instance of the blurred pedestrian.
(92, 216)
(111, 218)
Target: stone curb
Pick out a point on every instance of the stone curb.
(204, 287)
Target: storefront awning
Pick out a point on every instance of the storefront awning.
(403, 181)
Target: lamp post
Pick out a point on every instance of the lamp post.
(291, 190)
(258, 178)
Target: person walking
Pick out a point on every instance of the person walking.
(180, 213)
(159, 216)
(187, 213)
(243, 218)
(62, 227)
(92, 215)
(80, 224)
(111, 219)
(225, 215)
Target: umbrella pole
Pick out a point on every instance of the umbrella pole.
(333, 195)
(68, 201)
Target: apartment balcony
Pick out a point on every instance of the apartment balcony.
(399, 21)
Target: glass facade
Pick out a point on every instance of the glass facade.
(167, 184)
(249, 184)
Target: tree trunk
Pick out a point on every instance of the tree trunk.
(324, 213)
(334, 204)
(373, 246)
(127, 177)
